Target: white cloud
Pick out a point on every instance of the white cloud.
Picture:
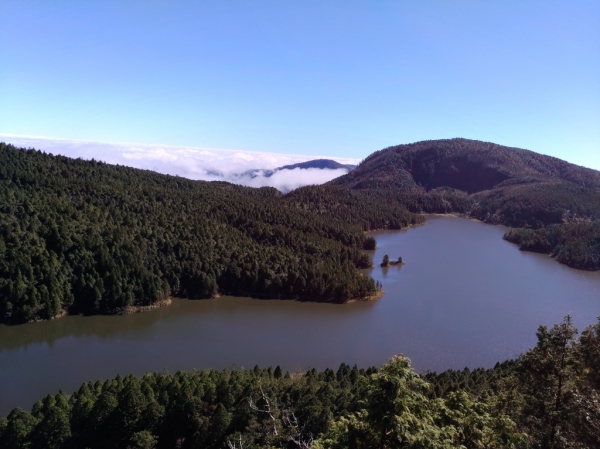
(209, 164)
(286, 180)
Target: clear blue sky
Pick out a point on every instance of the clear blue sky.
(335, 78)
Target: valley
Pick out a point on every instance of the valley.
(231, 277)
(465, 297)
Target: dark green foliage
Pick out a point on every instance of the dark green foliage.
(490, 182)
(475, 381)
(209, 408)
(547, 398)
(547, 378)
(494, 184)
(17, 430)
(588, 354)
(385, 261)
(142, 440)
(195, 409)
(576, 244)
(370, 244)
(371, 210)
(552, 391)
(87, 237)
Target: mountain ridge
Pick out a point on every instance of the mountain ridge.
(553, 204)
(477, 178)
(321, 164)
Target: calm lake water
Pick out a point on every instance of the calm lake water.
(465, 297)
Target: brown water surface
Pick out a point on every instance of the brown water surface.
(464, 298)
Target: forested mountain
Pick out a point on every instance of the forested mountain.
(321, 164)
(492, 183)
(88, 237)
(547, 398)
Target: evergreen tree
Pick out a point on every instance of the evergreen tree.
(547, 378)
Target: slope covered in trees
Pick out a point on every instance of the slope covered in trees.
(547, 398)
(88, 237)
(576, 244)
(489, 182)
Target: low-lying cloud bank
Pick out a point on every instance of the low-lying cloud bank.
(286, 180)
(196, 163)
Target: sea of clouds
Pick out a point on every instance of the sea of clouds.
(196, 163)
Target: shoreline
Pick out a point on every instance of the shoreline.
(139, 309)
(125, 311)
(374, 297)
(466, 217)
(55, 317)
(392, 229)
(435, 214)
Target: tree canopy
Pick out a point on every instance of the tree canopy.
(88, 237)
(547, 398)
(494, 184)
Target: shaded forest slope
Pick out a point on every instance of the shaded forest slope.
(495, 184)
(490, 182)
(88, 237)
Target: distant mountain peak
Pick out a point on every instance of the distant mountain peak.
(321, 164)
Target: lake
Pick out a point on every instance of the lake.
(465, 297)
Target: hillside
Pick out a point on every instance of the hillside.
(492, 183)
(88, 237)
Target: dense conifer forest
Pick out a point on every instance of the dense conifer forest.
(576, 244)
(494, 184)
(88, 237)
(547, 398)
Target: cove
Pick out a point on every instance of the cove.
(465, 297)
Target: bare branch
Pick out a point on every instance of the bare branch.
(235, 445)
(266, 410)
(298, 436)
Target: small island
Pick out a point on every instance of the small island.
(386, 261)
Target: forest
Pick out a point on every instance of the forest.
(494, 184)
(575, 243)
(546, 398)
(87, 237)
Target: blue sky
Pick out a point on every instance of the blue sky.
(316, 78)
